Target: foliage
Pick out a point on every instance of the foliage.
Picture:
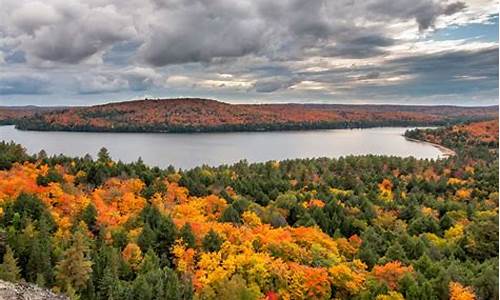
(194, 115)
(364, 227)
(9, 270)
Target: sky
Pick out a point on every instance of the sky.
(74, 52)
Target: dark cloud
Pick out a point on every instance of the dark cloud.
(424, 12)
(461, 73)
(449, 65)
(362, 47)
(457, 72)
(23, 85)
(69, 32)
(198, 31)
(349, 49)
(273, 84)
(164, 32)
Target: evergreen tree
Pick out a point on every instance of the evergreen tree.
(187, 236)
(150, 262)
(395, 252)
(166, 234)
(230, 215)
(39, 267)
(212, 241)
(89, 216)
(147, 238)
(109, 285)
(103, 155)
(9, 269)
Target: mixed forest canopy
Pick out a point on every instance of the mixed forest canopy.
(358, 227)
(202, 115)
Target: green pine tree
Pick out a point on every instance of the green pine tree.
(187, 236)
(212, 241)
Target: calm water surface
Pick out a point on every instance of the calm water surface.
(189, 150)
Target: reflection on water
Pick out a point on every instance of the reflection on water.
(189, 150)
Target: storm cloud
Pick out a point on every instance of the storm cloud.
(289, 49)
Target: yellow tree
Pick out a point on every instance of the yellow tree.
(73, 271)
(132, 254)
(390, 296)
(459, 292)
(8, 269)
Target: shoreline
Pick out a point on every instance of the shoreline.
(446, 152)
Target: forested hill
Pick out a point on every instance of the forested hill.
(358, 227)
(192, 115)
(10, 114)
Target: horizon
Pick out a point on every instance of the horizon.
(252, 103)
(79, 53)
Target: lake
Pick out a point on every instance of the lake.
(194, 149)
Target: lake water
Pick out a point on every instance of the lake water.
(194, 149)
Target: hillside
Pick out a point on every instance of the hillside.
(359, 227)
(190, 115)
(9, 114)
(472, 139)
(486, 131)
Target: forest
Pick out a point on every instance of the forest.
(204, 115)
(356, 227)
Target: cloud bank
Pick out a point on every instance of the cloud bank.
(251, 50)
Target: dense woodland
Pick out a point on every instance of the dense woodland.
(9, 115)
(359, 227)
(202, 115)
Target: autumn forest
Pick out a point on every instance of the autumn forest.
(206, 115)
(357, 227)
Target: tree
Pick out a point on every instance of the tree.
(187, 236)
(132, 254)
(395, 252)
(481, 238)
(39, 267)
(234, 288)
(10, 153)
(230, 215)
(74, 270)
(391, 273)
(459, 292)
(159, 231)
(486, 282)
(147, 238)
(108, 283)
(27, 207)
(103, 155)
(212, 241)
(391, 296)
(89, 216)
(166, 234)
(9, 269)
(52, 176)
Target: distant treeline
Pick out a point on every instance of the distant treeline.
(39, 125)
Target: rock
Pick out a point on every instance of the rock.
(26, 291)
